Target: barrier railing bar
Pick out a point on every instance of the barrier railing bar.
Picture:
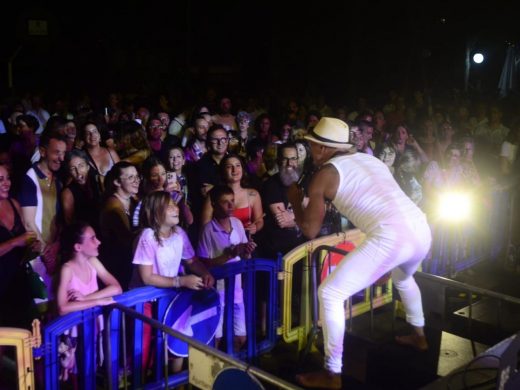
(271, 379)
(467, 287)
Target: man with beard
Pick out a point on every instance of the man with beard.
(280, 233)
(197, 145)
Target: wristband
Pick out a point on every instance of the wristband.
(176, 282)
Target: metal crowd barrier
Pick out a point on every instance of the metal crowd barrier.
(131, 305)
(372, 297)
(23, 341)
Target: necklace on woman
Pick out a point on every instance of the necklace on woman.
(125, 203)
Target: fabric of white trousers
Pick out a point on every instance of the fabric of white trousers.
(397, 248)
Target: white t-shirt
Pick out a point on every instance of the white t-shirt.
(213, 240)
(165, 258)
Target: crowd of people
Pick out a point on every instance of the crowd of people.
(140, 195)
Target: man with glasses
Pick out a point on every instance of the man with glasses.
(205, 174)
(280, 233)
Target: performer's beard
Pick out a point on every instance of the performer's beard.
(289, 175)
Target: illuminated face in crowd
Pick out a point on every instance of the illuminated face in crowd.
(171, 217)
(157, 177)
(5, 183)
(224, 207)
(233, 170)
(288, 166)
(129, 181)
(90, 244)
(155, 129)
(78, 169)
(176, 160)
(387, 156)
(201, 129)
(219, 142)
(92, 135)
(54, 154)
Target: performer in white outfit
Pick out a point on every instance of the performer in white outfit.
(398, 238)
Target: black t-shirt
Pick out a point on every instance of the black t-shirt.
(274, 238)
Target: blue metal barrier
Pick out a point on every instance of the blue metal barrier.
(115, 323)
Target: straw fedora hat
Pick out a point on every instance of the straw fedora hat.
(330, 132)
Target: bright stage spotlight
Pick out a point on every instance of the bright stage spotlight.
(454, 206)
(478, 58)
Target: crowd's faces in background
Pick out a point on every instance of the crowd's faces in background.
(89, 246)
(265, 127)
(357, 138)
(172, 214)
(224, 206)
(312, 121)
(53, 154)
(155, 129)
(92, 135)
(233, 170)
(468, 150)
(302, 154)
(157, 177)
(129, 180)
(401, 135)
(5, 183)
(219, 141)
(201, 129)
(288, 166)
(79, 169)
(387, 156)
(176, 159)
(285, 133)
(453, 157)
(164, 118)
(70, 130)
(225, 105)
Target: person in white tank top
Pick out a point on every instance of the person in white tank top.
(398, 238)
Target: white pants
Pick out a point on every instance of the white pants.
(398, 248)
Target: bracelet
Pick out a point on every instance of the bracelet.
(176, 282)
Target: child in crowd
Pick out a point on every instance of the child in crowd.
(78, 287)
(161, 247)
(223, 240)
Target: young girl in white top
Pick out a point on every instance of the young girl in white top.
(162, 246)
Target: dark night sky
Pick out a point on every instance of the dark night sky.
(331, 48)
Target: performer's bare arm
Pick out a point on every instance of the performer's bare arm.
(324, 185)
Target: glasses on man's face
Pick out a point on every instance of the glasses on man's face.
(218, 141)
(288, 160)
(131, 178)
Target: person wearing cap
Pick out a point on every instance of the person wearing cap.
(397, 238)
